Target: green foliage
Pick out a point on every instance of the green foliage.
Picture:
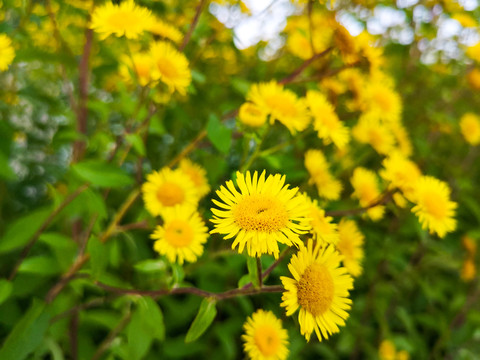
(205, 316)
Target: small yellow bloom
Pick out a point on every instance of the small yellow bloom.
(252, 115)
(387, 350)
(197, 174)
(369, 130)
(470, 245)
(323, 229)
(473, 78)
(470, 127)
(265, 338)
(366, 190)
(317, 166)
(401, 173)
(469, 270)
(7, 53)
(140, 65)
(165, 30)
(350, 245)
(473, 52)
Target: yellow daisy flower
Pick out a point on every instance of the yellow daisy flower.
(434, 208)
(381, 100)
(7, 53)
(365, 186)
(473, 78)
(473, 52)
(469, 270)
(264, 213)
(387, 350)
(197, 174)
(317, 166)
(252, 115)
(127, 19)
(326, 122)
(265, 338)
(170, 67)
(470, 245)
(140, 65)
(470, 127)
(168, 188)
(350, 245)
(401, 172)
(167, 31)
(281, 104)
(369, 130)
(182, 235)
(323, 229)
(320, 288)
(401, 136)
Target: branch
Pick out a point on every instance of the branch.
(385, 198)
(193, 25)
(290, 78)
(44, 226)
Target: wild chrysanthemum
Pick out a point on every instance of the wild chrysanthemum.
(369, 130)
(469, 269)
(473, 52)
(325, 120)
(365, 186)
(323, 229)
(170, 66)
(167, 31)
(281, 104)
(350, 245)
(252, 115)
(320, 288)
(265, 338)
(401, 173)
(139, 66)
(380, 100)
(168, 188)
(182, 235)
(197, 174)
(317, 166)
(386, 350)
(126, 19)
(434, 208)
(7, 53)
(264, 213)
(470, 127)
(470, 245)
(473, 78)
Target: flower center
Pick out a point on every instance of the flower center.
(434, 205)
(167, 68)
(170, 194)
(260, 213)
(178, 233)
(122, 20)
(316, 289)
(267, 340)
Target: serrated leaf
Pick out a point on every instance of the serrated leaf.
(102, 174)
(5, 290)
(218, 134)
(205, 316)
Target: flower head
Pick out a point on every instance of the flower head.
(350, 245)
(182, 235)
(365, 186)
(264, 213)
(401, 172)
(7, 53)
(317, 166)
(370, 130)
(323, 229)
(197, 174)
(470, 127)
(140, 65)
(167, 31)
(168, 188)
(433, 206)
(320, 288)
(252, 115)
(265, 338)
(126, 19)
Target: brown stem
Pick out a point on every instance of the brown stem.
(385, 198)
(193, 25)
(44, 226)
(73, 334)
(290, 78)
(78, 308)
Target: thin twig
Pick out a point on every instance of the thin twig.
(73, 334)
(193, 25)
(44, 226)
(290, 78)
(385, 198)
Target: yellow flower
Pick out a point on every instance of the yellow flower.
(465, 20)
(317, 166)
(470, 245)
(473, 52)
(350, 246)
(326, 122)
(380, 100)
(370, 130)
(468, 270)
(252, 115)
(264, 213)
(265, 338)
(167, 31)
(473, 78)
(320, 288)
(7, 53)
(365, 185)
(470, 127)
(433, 207)
(401, 172)
(141, 68)
(168, 188)
(125, 19)
(182, 235)
(281, 104)
(170, 67)
(401, 136)
(197, 174)
(387, 350)
(403, 355)
(323, 229)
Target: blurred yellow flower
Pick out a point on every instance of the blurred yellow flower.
(7, 53)
(401, 173)
(473, 52)
(281, 104)
(350, 246)
(434, 208)
(365, 186)
(265, 338)
(264, 213)
(470, 127)
(465, 20)
(182, 235)
(197, 174)
(473, 78)
(369, 130)
(323, 229)
(165, 30)
(380, 100)
(317, 166)
(470, 245)
(141, 69)
(252, 115)
(387, 350)
(469, 270)
(126, 19)
(320, 288)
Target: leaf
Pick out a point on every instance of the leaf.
(5, 290)
(219, 135)
(202, 321)
(137, 143)
(27, 334)
(102, 174)
(39, 265)
(6, 171)
(98, 256)
(21, 230)
(151, 265)
(253, 271)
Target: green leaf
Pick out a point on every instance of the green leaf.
(102, 174)
(21, 231)
(137, 143)
(202, 321)
(5, 290)
(219, 135)
(98, 256)
(39, 265)
(27, 334)
(6, 171)
(151, 265)
(253, 271)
